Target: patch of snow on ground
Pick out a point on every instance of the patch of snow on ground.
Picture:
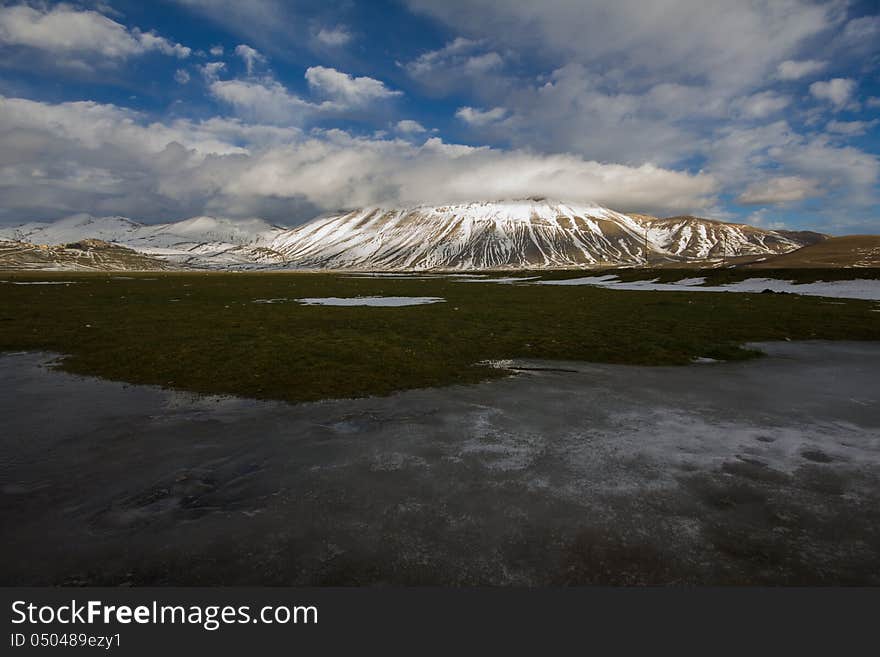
(854, 289)
(41, 282)
(507, 279)
(391, 302)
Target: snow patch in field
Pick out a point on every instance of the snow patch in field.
(390, 302)
(604, 281)
(41, 282)
(854, 289)
(506, 279)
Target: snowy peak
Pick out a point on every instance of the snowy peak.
(75, 228)
(214, 229)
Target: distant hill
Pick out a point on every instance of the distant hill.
(848, 251)
(85, 255)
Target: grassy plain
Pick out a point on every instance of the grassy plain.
(202, 332)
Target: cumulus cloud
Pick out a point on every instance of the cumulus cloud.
(838, 91)
(333, 37)
(211, 71)
(763, 104)
(796, 69)
(266, 100)
(75, 157)
(634, 36)
(216, 51)
(783, 189)
(851, 169)
(410, 127)
(460, 62)
(862, 33)
(750, 157)
(618, 87)
(346, 90)
(251, 57)
(262, 101)
(85, 36)
(478, 117)
(181, 76)
(851, 128)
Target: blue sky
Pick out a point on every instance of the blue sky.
(763, 112)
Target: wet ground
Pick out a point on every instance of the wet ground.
(760, 472)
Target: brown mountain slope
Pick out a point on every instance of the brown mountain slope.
(848, 251)
(85, 255)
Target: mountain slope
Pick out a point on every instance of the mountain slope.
(847, 251)
(85, 255)
(698, 239)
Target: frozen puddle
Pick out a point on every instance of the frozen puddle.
(855, 289)
(390, 302)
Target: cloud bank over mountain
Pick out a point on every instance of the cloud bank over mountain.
(283, 110)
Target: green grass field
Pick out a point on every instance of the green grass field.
(202, 332)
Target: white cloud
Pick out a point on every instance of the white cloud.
(410, 127)
(333, 37)
(731, 45)
(763, 104)
(478, 117)
(746, 158)
(107, 160)
(862, 32)
(796, 69)
(251, 57)
(345, 90)
(854, 171)
(151, 41)
(460, 62)
(181, 76)
(211, 71)
(216, 51)
(265, 101)
(873, 101)
(784, 189)
(82, 35)
(838, 91)
(851, 128)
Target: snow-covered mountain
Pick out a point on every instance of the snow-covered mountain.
(516, 234)
(489, 235)
(196, 242)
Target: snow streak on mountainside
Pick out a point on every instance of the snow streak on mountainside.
(511, 234)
